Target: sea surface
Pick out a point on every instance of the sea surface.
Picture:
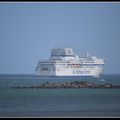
(83, 102)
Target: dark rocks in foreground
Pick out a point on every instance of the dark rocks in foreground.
(74, 84)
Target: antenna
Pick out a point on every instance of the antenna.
(87, 54)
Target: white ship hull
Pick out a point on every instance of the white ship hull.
(71, 72)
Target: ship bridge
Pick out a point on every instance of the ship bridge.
(62, 52)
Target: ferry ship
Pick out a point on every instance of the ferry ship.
(63, 62)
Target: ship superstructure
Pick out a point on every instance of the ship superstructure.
(63, 62)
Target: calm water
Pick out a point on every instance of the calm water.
(58, 102)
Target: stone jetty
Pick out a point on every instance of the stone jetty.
(74, 84)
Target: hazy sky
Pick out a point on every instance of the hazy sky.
(28, 31)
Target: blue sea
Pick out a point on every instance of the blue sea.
(83, 102)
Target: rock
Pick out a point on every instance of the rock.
(74, 84)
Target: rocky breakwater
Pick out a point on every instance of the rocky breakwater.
(74, 84)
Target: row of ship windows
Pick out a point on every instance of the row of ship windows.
(52, 68)
(71, 65)
(53, 64)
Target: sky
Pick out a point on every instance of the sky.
(28, 31)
